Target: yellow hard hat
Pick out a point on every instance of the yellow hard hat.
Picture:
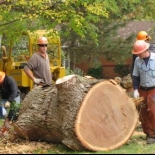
(142, 35)
(42, 40)
(2, 76)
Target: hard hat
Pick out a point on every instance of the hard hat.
(142, 35)
(42, 40)
(2, 76)
(140, 46)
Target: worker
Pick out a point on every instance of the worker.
(142, 35)
(38, 66)
(10, 97)
(144, 86)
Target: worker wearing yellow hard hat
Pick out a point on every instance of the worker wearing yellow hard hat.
(142, 35)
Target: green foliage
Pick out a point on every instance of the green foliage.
(15, 106)
(77, 16)
(96, 72)
(68, 71)
(77, 71)
(122, 70)
(93, 23)
(110, 45)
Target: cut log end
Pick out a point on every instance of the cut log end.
(107, 118)
(66, 81)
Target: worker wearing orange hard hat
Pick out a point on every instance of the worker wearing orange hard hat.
(2, 76)
(142, 35)
(38, 66)
(10, 97)
(143, 77)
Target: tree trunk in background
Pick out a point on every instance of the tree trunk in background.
(82, 113)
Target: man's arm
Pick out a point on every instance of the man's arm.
(29, 73)
(134, 56)
(136, 80)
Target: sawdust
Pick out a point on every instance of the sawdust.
(22, 147)
(11, 143)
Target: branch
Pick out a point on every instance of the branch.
(11, 22)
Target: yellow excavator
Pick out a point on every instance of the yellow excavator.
(21, 49)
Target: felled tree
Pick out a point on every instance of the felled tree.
(83, 113)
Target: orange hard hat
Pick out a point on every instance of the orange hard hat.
(140, 46)
(142, 35)
(2, 76)
(42, 40)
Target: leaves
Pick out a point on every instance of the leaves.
(93, 23)
(75, 14)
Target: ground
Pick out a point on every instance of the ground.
(10, 143)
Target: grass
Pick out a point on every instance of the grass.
(135, 145)
(1, 122)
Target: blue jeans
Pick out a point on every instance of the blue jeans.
(3, 111)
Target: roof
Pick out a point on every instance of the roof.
(133, 27)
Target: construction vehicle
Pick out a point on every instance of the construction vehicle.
(21, 49)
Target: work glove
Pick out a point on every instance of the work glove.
(37, 81)
(7, 104)
(136, 94)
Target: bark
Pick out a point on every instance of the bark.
(83, 113)
(38, 117)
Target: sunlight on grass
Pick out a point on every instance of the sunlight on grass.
(1, 122)
(135, 145)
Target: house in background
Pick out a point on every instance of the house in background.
(133, 27)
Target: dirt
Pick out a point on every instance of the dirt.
(12, 144)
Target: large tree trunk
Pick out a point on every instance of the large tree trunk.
(82, 113)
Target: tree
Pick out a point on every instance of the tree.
(83, 24)
(77, 16)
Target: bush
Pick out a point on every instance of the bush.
(122, 70)
(96, 72)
